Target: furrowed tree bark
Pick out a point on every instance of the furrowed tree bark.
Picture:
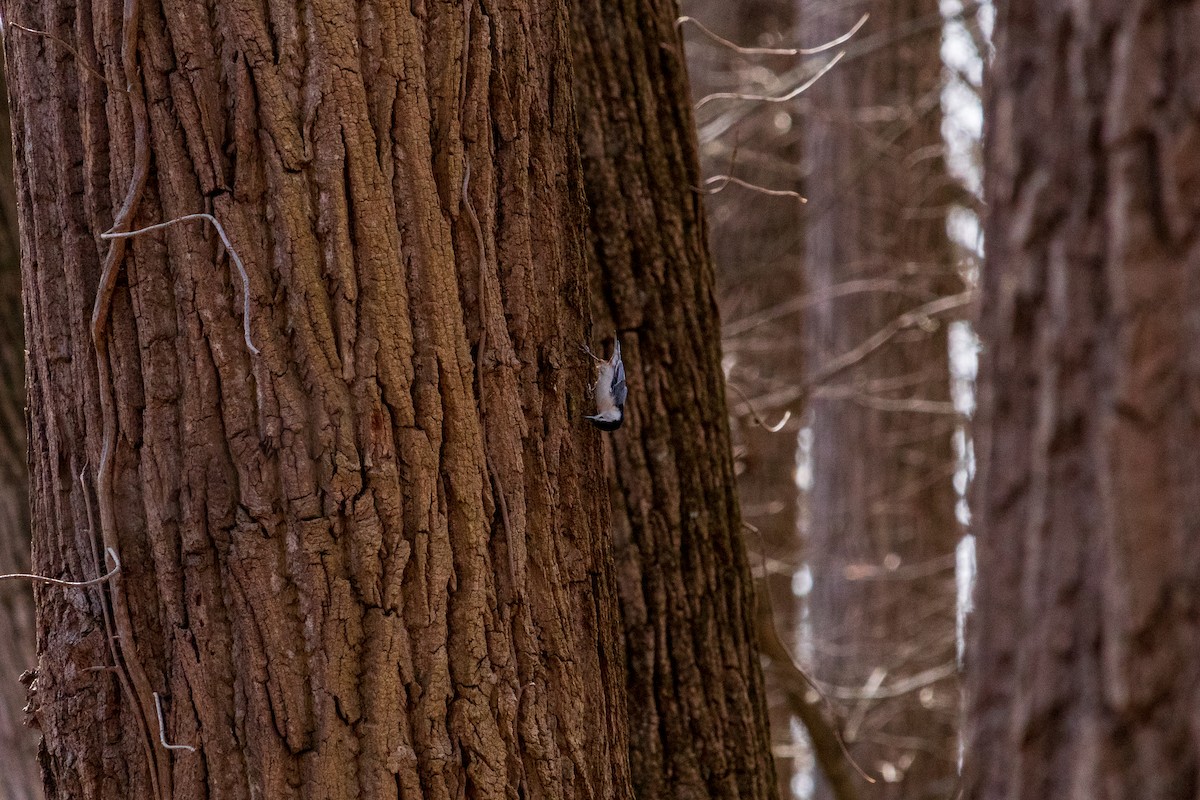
(698, 724)
(882, 529)
(19, 778)
(1083, 678)
(372, 560)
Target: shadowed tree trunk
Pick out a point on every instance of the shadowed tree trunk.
(1084, 680)
(344, 574)
(882, 532)
(19, 779)
(698, 725)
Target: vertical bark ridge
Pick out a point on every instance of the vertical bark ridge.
(335, 593)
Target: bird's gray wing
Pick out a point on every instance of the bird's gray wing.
(619, 390)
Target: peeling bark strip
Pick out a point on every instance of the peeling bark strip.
(697, 712)
(1083, 676)
(355, 565)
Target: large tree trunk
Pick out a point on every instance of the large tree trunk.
(344, 574)
(1084, 680)
(698, 725)
(882, 532)
(19, 778)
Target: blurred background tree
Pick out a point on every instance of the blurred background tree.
(1082, 661)
(882, 532)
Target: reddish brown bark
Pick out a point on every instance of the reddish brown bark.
(346, 574)
(698, 725)
(1082, 665)
(882, 531)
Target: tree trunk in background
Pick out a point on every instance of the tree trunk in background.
(1084, 680)
(883, 531)
(757, 248)
(19, 778)
(698, 724)
(346, 577)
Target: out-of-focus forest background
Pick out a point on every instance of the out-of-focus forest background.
(845, 330)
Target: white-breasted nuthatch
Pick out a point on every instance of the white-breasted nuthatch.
(610, 390)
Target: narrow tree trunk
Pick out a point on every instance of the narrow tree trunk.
(1084, 680)
(698, 725)
(343, 574)
(883, 531)
(19, 778)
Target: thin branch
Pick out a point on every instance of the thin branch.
(237, 260)
(162, 729)
(769, 98)
(829, 750)
(774, 51)
(875, 690)
(728, 179)
(857, 49)
(859, 571)
(776, 428)
(911, 405)
(739, 326)
(733, 154)
(59, 582)
(917, 317)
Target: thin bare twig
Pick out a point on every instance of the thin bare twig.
(738, 327)
(162, 729)
(237, 260)
(59, 582)
(733, 154)
(917, 317)
(776, 428)
(774, 51)
(766, 98)
(754, 187)
(911, 405)
(874, 688)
